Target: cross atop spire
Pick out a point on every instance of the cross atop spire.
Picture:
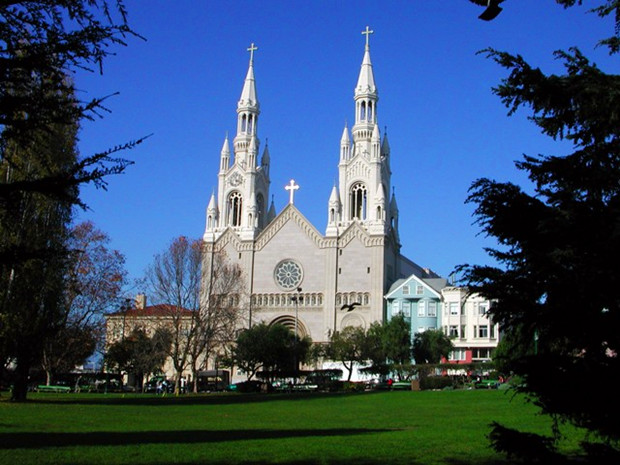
(252, 48)
(367, 33)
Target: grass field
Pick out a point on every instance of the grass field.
(446, 427)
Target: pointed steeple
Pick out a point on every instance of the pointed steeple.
(248, 110)
(248, 99)
(393, 205)
(366, 79)
(334, 198)
(225, 155)
(212, 205)
(366, 96)
(243, 184)
(212, 214)
(266, 158)
(345, 144)
(385, 145)
(271, 214)
(375, 141)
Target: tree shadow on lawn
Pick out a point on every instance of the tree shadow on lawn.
(28, 440)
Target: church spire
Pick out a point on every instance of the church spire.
(366, 96)
(366, 80)
(364, 172)
(243, 185)
(249, 100)
(248, 110)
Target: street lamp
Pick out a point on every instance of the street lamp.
(296, 298)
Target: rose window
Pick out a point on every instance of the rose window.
(288, 275)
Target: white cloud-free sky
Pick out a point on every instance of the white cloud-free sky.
(445, 126)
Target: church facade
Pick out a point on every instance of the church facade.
(313, 281)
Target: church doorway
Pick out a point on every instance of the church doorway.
(289, 322)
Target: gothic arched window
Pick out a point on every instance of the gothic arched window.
(369, 113)
(234, 209)
(250, 123)
(363, 111)
(243, 123)
(358, 201)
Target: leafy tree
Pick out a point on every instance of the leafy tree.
(273, 348)
(139, 354)
(554, 289)
(349, 347)
(389, 347)
(430, 346)
(93, 282)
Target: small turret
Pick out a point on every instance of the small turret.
(225, 156)
(345, 144)
(375, 143)
(212, 214)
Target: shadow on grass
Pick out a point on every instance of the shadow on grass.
(105, 438)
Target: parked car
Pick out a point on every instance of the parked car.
(159, 384)
(246, 386)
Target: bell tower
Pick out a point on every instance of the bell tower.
(243, 183)
(364, 170)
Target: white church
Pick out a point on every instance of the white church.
(312, 281)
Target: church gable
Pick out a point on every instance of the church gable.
(356, 231)
(229, 239)
(289, 214)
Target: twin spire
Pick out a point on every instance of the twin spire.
(243, 187)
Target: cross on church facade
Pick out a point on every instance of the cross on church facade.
(252, 49)
(367, 33)
(291, 188)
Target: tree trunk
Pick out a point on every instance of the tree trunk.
(20, 385)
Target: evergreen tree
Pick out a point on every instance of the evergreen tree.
(41, 43)
(32, 291)
(554, 291)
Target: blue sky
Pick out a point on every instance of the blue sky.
(445, 126)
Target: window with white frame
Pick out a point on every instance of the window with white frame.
(406, 290)
(406, 309)
(421, 308)
(454, 308)
(453, 331)
(483, 308)
(419, 289)
(432, 309)
(492, 331)
(395, 307)
(481, 354)
(483, 331)
(458, 355)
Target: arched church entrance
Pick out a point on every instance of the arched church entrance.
(289, 322)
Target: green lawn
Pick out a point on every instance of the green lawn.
(447, 427)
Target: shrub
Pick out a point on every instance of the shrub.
(435, 382)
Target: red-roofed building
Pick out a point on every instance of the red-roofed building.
(148, 318)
